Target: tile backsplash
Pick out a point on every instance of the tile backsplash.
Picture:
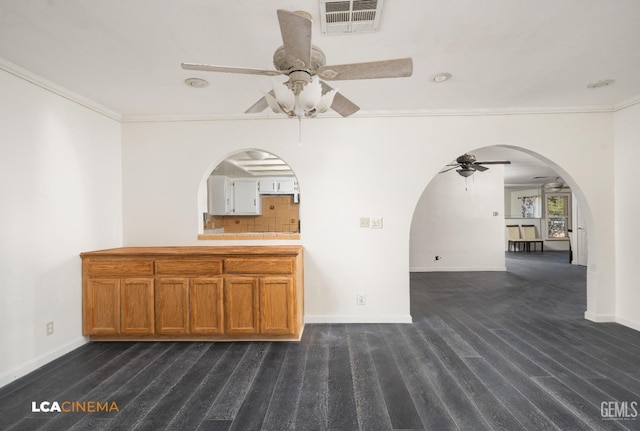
(279, 214)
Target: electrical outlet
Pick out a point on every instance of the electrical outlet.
(361, 298)
(364, 222)
(49, 328)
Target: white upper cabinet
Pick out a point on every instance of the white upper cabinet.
(220, 195)
(278, 186)
(247, 199)
(228, 196)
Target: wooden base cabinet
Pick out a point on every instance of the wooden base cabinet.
(193, 293)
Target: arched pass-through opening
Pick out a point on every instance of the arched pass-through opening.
(459, 222)
(250, 194)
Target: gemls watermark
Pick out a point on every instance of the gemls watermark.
(619, 410)
(74, 406)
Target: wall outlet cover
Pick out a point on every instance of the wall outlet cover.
(364, 222)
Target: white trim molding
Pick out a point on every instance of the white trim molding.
(456, 269)
(56, 89)
(628, 323)
(41, 360)
(599, 318)
(354, 318)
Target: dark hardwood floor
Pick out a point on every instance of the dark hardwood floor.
(487, 350)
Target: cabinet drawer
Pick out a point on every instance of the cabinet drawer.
(188, 267)
(248, 265)
(120, 267)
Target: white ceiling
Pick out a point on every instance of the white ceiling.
(503, 54)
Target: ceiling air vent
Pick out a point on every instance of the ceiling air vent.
(349, 16)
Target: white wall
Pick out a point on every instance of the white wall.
(627, 230)
(454, 220)
(60, 185)
(348, 168)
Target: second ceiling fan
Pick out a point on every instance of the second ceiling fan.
(466, 165)
(305, 64)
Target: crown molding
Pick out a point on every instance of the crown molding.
(380, 114)
(56, 89)
(627, 103)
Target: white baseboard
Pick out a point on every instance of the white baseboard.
(455, 269)
(628, 323)
(599, 318)
(351, 318)
(41, 360)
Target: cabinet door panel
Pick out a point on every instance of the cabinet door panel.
(246, 198)
(277, 306)
(172, 305)
(241, 305)
(137, 306)
(102, 310)
(206, 306)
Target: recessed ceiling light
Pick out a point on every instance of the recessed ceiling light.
(602, 83)
(196, 82)
(441, 77)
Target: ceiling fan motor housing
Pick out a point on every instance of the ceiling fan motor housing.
(284, 61)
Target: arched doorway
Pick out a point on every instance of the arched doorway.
(459, 222)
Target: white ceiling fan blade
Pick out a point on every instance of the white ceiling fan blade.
(227, 69)
(296, 35)
(340, 104)
(398, 68)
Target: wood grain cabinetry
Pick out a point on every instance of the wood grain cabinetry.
(193, 293)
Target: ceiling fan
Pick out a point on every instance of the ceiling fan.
(467, 165)
(305, 64)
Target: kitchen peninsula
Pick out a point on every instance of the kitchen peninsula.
(193, 293)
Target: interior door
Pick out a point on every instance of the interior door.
(580, 246)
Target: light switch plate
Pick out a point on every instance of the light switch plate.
(375, 222)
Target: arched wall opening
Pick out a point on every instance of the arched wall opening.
(470, 219)
(249, 194)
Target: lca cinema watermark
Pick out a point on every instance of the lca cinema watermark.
(74, 407)
(619, 410)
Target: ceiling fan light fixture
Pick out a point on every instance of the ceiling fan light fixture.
(326, 101)
(465, 172)
(309, 100)
(309, 97)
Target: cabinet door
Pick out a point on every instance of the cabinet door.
(241, 305)
(220, 196)
(277, 306)
(172, 305)
(136, 302)
(287, 186)
(102, 307)
(246, 198)
(267, 186)
(206, 307)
